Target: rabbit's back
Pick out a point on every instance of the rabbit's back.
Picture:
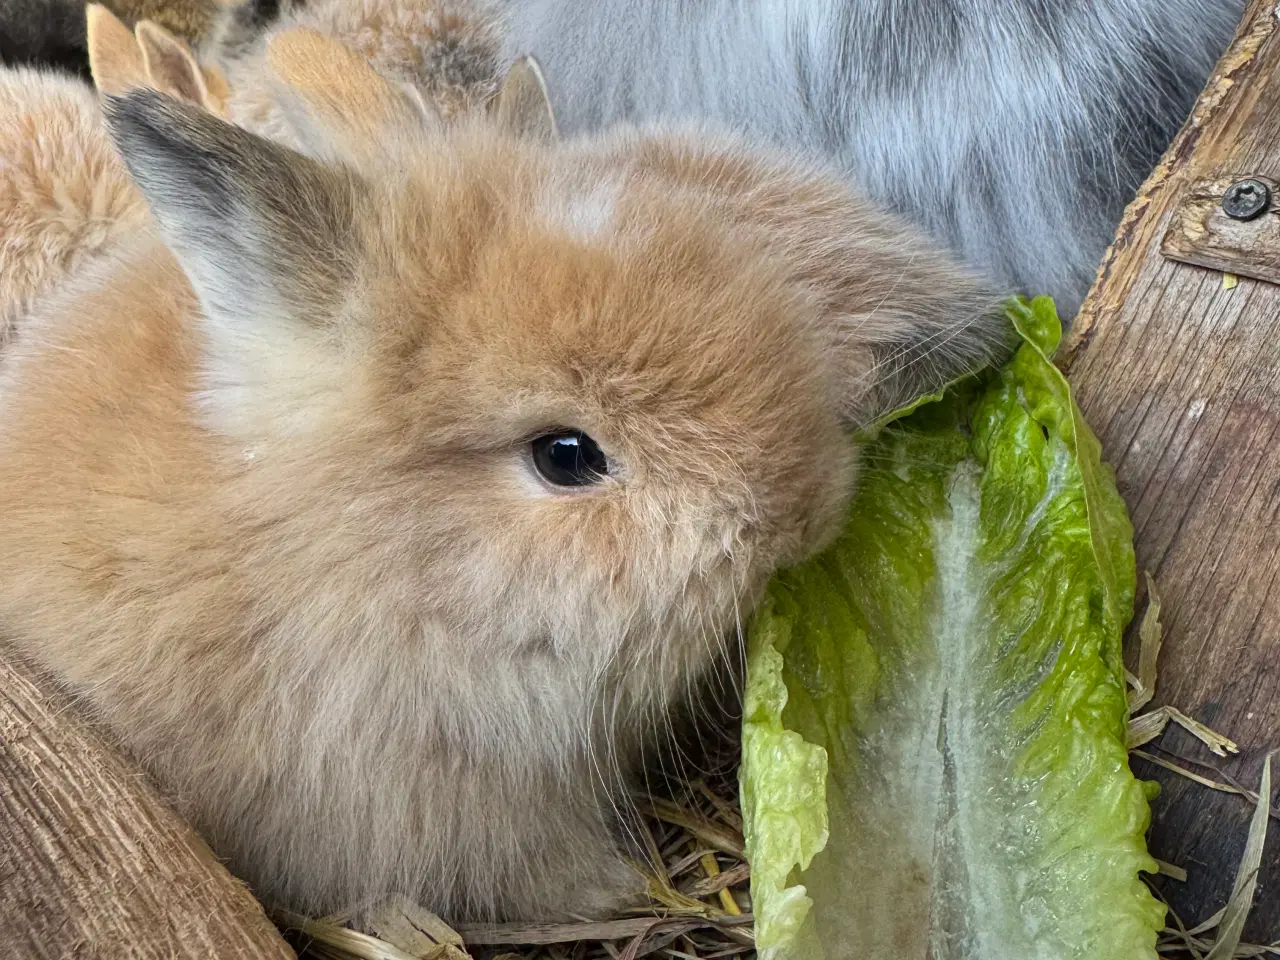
(1015, 130)
(447, 51)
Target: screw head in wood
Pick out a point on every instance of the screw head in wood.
(1246, 199)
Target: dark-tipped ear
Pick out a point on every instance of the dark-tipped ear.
(523, 105)
(265, 235)
(260, 230)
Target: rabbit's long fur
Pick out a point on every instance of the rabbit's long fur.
(1014, 130)
(270, 507)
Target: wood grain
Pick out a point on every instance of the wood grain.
(93, 863)
(1180, 377)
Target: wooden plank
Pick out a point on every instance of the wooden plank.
(93, 863)
(1180, 376)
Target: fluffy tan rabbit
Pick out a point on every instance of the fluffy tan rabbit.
(382, 517)
(52, 33)
(64, 195)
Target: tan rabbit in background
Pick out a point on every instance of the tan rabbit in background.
(382, 516)
(65, 197)
(444, 52)
(149, 56)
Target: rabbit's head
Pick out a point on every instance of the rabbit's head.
(570, 402)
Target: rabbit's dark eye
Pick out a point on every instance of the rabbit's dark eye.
(569, 458)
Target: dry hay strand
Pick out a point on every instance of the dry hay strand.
(1219, 937)
(697, 877)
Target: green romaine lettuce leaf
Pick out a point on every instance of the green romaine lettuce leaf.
(934, 759)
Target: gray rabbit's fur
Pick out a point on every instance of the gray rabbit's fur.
(1015, 130)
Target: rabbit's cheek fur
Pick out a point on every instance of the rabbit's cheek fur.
(664, 371)
(574, 576)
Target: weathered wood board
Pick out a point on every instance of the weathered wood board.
(93, 862)
(1179, 374)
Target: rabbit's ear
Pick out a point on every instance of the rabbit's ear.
(219, 91)
(115, 60)
(899, 317)
(523, 106)
(265, 235)
(267, 238)
(927, 326)
(338, 104)
(171, 67)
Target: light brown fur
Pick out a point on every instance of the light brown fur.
(115, 59)
(206, 26)
(446, 51)
(173, 69)
(65, 197)
(270, 507)
(52, 33)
